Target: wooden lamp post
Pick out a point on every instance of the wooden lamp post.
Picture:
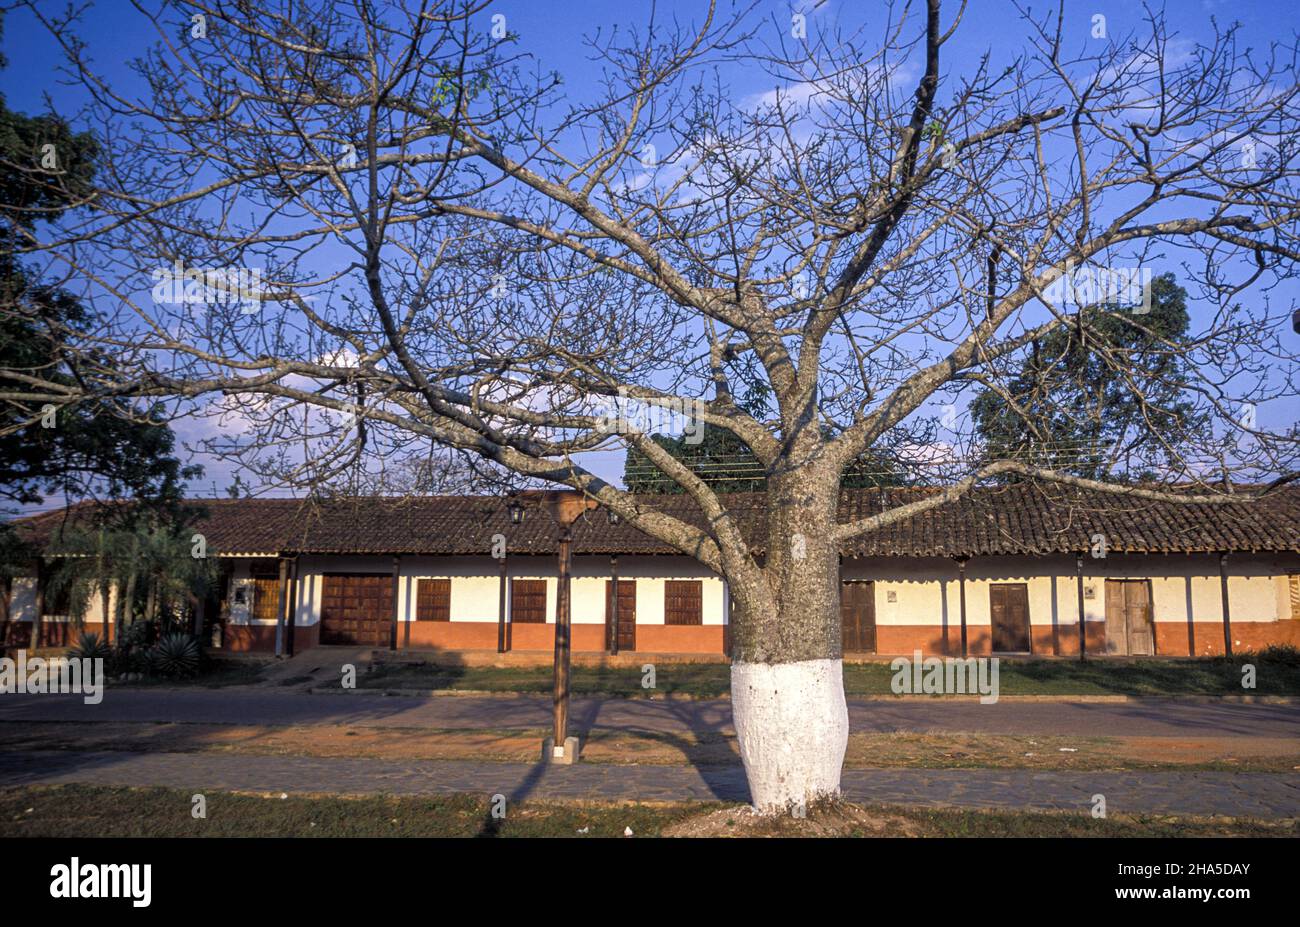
(564, 509)
(563, 748)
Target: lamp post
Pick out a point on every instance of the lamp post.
(612, 603)
(559, 747)
(1083, 630)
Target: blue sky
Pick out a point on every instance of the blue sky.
(553, 32)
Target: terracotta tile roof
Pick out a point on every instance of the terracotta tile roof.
(1014, 519)
(426, 524)
(1047, 519)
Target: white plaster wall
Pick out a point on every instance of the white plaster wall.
(926, 589)
(475, 584)
(241, 577)
(22, 603)
(22, 599)
(650, 573)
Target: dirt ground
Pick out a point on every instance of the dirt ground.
(840, 819)
(865, 750)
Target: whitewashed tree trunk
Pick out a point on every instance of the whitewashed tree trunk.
(792, 724)
(787, 681)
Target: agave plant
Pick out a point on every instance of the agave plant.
(90, 646)
(176, 655)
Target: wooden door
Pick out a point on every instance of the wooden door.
(1128, 617)
(1137, 601)
(1009, 613)
(858, 616)
(356, 608)
(626, 612)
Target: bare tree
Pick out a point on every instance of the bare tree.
(455, 249)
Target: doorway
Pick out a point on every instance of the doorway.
(1129, 628)
(858, 615)
(1009, 615)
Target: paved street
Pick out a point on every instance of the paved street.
(1189, 792)
(1154, 717)
(1236, 794)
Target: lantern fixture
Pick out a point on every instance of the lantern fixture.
(614, 517)
(516, 512)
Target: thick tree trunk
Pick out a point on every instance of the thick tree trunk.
(787, 682)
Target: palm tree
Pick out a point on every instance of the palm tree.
(146, 554)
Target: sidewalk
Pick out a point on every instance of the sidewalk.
(1261, 795)
(263, 706)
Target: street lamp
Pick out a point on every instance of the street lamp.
(614, 517)
(516, 511)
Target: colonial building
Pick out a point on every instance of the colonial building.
(1003, 570)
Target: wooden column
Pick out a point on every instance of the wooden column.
(501, 610)
(611, 608)
(961, 594)
(1083, 631)
(406, 625)
(40, 605)
(281, 606)
(6, 611)
(200, 607)
(105, 629)
(397, 602)
(562, 626)
(291, 620)
(1227, 614)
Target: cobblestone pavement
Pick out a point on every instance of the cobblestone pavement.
(1235, 794)
(1152, 717)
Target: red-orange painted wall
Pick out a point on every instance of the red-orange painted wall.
(17, 634)
(482, 635)
(1171, 638)
(1205, 639)
(931, 640)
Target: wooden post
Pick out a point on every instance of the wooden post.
(1083, 632)
(200, 607)
(612, 608)
(6, 611)
(406, 625)
(961, 593)
(106, 619)
(501, 609)
(292, 619)
(104, 622)
(40, 605)
(397, 602)
(1227, 614)
(562, 625)
(281, 606)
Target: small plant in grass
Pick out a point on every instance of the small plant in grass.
(90, 646)
(176, 656)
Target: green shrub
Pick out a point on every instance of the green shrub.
(175, 655)
(1285, 654)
